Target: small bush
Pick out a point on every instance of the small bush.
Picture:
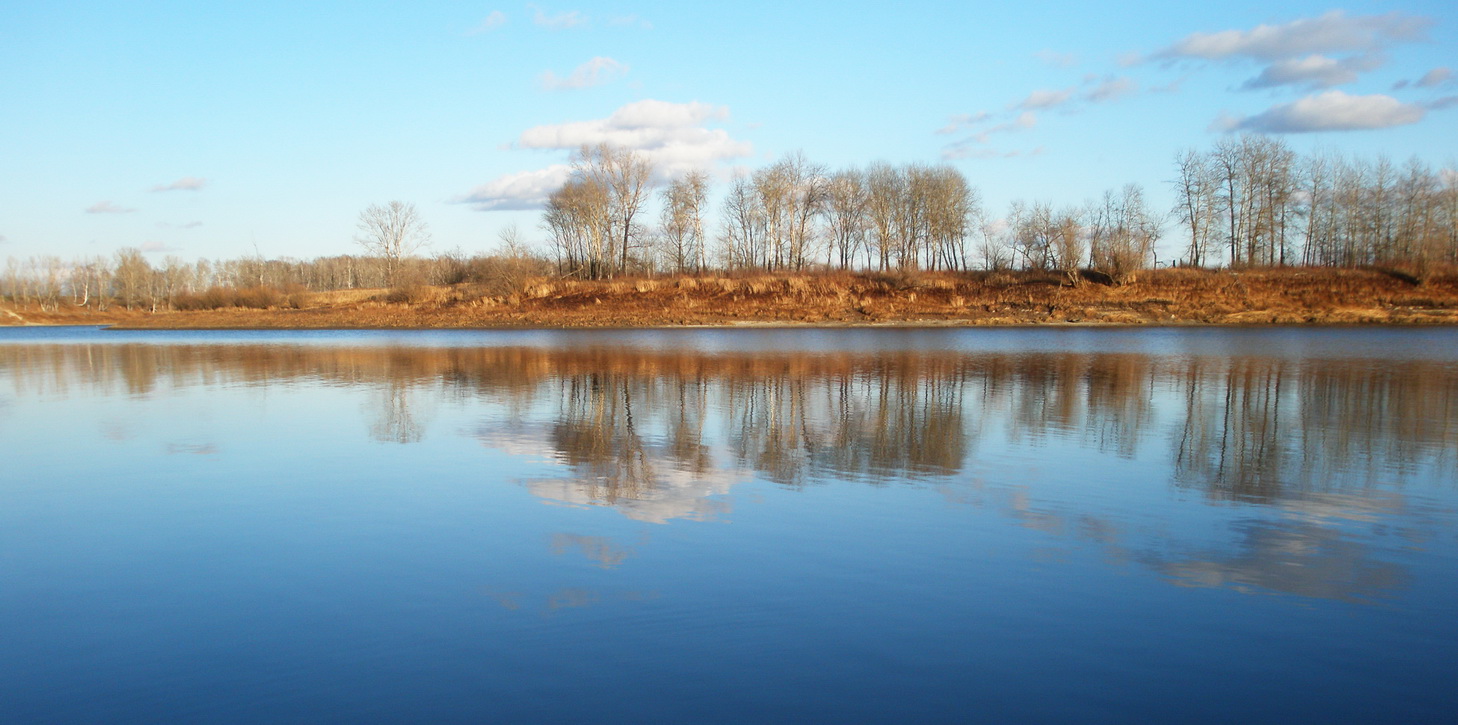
(217, 298)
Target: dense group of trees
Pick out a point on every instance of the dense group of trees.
(1247, 201)
(128, 279)
(1255, 202)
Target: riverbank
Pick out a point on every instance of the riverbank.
(1161, 297)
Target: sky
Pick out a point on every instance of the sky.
(223, 129)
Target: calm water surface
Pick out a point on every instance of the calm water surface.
(739, 525)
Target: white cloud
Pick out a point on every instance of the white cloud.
(673, 136)
(560, 21)
(594, 72)
(1333, 32)
(3, 239)
(523, 190)
(106, 207)
(1333, 111)
(1111, 89)
(962, 120)
(968, 147)
(491, 22)
(1435, 77)
(186, 183)
(157, 247)
(1044, 99)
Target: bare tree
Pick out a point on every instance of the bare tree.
(683, 220)
(624, 174)
(392, 232)
(578, 219)
(845, 213)
(1122, 233)
(132, 280)
(884, 189)
(1195, 190)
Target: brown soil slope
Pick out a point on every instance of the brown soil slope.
(1172, 296)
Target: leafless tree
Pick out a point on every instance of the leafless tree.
(392, 232)
(624, 176)
(684, 201)
(1122, 233)
(1195, 189)
(845, 216)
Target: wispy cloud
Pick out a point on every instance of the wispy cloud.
(1332, 32)
(1435, 77)
(594, 72)
(1044, 99)
(1441, 104)
(558, 21)
(186, 183)
(1331, 111)
(962, 120)
(1313, 71)
(1111, 88)
(157, 248)
(491, 22)
(975, 145)
(106, 207)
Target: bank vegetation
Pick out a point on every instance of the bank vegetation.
(1265, 235)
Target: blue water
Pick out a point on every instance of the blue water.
(1205, 525)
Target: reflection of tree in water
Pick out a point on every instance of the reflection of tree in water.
(892, 426)
(595, 433)
(1261, 429)
(631, 422)
(1104, 399)
(395, 423)
(1231, 443)
(665, 435)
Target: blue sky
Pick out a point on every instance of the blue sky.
(218, 129)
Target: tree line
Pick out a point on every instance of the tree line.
(1247, 201)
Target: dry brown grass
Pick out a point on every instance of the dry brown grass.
(1169, 296)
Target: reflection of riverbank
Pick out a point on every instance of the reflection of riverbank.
(640, 426)
(1306, 460)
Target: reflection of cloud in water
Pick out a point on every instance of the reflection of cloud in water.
(1326, 546)
(1316, 445)
(1323, 546)
(1302, 559)
(650, 484)
(600, 549)
(672, 494)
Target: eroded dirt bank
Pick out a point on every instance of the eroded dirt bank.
(1175, 296)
